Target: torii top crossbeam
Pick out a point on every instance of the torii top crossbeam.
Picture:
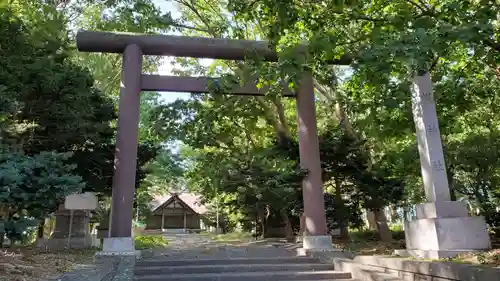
(179, 46)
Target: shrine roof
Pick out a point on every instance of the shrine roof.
(191, 200)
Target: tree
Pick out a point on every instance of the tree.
(33, 187)
(37, 184)
(386, 43)
(52, 106)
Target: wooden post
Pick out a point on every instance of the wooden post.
(184, 221)
(126, 144)
(162, 219)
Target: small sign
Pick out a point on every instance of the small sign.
(335, 232)
(84, 201)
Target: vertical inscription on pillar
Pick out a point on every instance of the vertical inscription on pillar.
(432, 129)
(428, 97)
(429, 140)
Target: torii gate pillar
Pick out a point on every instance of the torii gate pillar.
(316, 235)
(121, 239)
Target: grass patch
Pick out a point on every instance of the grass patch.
(369, 247)
(490, 258)
(143, 242)
(366, 242)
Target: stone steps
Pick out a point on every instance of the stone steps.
(201, 269)
(251, 276)
(240, 269)
(223, 261)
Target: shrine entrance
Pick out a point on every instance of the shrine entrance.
(133, 47)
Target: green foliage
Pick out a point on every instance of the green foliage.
(386, 43)
(56, 105)
(492, 217)
(370, 235)
(19, 229)
(36, 184)
(52, 104)
(150, 242)
(345, 161)
(341, 213)
(242, 151)
(232, 237)
(56, 125)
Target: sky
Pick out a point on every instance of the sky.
(166, 66)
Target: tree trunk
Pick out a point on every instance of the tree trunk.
(262, 220)
(40, 241)
(344, 233)
(288, 226)
(302, 230)
(405, 214)
(344, 223)
(370, 217)
(272, 116)
(394, 213)
(453, 194)
(382, 226)
(40, 231)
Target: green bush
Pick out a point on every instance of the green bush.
(150, 242)
(19, 229)
(371, 235)
(363, 235)
(396, 227)
(398, 235)
(398, 232)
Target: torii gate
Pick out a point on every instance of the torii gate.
(442, 227)
(133, 47)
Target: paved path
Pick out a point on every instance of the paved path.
(198, 246)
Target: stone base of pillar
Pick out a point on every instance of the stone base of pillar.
(317, 242)
(119, 246)
(312, 244)
(444, 229)
(62, 243)
(317, 245)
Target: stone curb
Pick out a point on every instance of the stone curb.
(412, 270)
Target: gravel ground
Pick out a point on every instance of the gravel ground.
(186, 246)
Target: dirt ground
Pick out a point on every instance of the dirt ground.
(373, 247)
(31, 264)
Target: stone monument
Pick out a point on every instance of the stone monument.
(442, 227)
(72, 222)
